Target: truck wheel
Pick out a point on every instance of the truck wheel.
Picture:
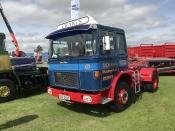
(7, 90)
(153, 86)
(122, 97)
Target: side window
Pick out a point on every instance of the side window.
(107, 42)
(1, 47)
(121, 44)
(2, 44)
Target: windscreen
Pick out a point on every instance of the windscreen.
(75, 46)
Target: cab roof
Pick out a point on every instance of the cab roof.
(81, 29)
(80, 25)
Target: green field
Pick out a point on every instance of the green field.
(151, 112)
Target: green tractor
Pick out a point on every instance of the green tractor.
(7, 76)
(18, 74)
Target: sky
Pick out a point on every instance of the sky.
(144, 21)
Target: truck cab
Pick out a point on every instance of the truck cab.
(5, 64)
(85, 57)
(87, 61)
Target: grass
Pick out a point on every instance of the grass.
(152, 112)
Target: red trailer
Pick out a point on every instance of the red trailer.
(159, 51)
(169, 50)
(160, 56)
(146, 50)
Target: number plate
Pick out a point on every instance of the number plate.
(64, 97)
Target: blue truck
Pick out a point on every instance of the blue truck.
(88, 63)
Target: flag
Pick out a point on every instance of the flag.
(75, 7)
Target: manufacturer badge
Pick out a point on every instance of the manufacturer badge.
(87, 66)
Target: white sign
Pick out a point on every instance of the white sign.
(75, 6)
(106, 42)
(81, 21)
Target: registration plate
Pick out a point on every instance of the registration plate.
(63, 97)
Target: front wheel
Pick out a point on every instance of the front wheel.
(7, 90)
(122, 97)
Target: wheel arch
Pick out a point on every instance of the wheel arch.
(122, 76)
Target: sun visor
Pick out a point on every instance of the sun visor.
(70, 31)
(74, 26)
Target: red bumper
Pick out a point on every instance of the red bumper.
(77, 96)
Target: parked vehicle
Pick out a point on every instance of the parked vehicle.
(160, 56)
(89, 64)
(17, 73)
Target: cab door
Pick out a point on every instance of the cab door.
(107, 57)
(122, 56)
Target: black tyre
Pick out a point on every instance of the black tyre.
(153, 86)
(7, 90)
(122, 97)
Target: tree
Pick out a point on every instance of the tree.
(38, 49)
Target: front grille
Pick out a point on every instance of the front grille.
(67, 79)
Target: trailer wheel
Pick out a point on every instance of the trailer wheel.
(122, 97)
(7, 90)
(153, 86)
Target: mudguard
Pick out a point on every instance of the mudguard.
(146, 74)
(126, 76)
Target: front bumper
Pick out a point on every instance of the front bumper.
(77, 96)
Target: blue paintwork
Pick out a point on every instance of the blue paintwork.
(85, 66)
(74, 67)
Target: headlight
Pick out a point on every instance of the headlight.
(87, 99)
(49, 91)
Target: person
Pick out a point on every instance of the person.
(35, 54)
(75, 51)
(39, 56)
(81, 49)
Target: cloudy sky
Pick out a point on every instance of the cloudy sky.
(145, 21)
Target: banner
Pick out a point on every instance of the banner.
(75, 6)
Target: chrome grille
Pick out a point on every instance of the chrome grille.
(67, 79)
